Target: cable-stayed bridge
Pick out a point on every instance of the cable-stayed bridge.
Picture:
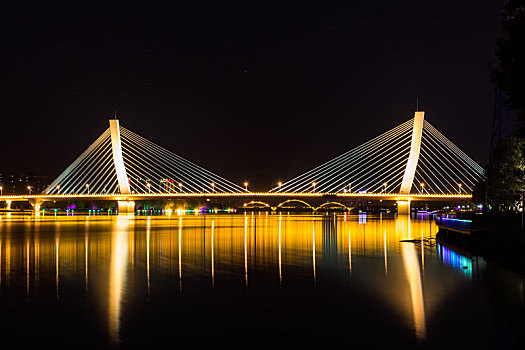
(412, 161)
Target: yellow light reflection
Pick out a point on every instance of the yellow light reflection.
(416, 289)
(313, 250)
(86, 263)
(350, 252)
(286, 242)
(280, 257)
(56, 267)
(386, 260)
(148, 233)
(27, 269)
(180, 255)
(413, 274)
(212, 255)
(246, 250)
(117, 275)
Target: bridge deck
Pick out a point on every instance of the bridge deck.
(149, 196)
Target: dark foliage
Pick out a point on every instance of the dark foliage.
(509, 72)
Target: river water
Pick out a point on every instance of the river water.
(256, 280)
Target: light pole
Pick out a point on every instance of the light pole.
(149, 187)
(180, 186)
(58, 188)
(212, 187)
(384, 185)
(279, 186)
(29, 189)
(313, 184)
(87, 187)
(422, 188)
(459, 188)
(246, 186)
(1, 190)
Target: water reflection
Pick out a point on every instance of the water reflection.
(455, 260)
(117, 274)
(115, 258)
(313, 250)
(413, 273)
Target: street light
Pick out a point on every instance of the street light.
(279, 185)
(87, 187)
(180, 186)
(246, 186)
(384, 184)
(58, 188)
(422, 188)
(459, 188)
(212, 187)
(149, 187)
(1, 190)
(313, 184)
(29, 189)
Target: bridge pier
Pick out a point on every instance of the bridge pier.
(36, 203)
(126, 207)
(8, 204)
(403, 207)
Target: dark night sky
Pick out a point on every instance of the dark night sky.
(251, 90)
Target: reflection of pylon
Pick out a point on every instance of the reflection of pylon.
(504, 121)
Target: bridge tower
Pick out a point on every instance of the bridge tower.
(403, 205)
(124, 206)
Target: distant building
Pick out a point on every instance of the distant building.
(17, 183)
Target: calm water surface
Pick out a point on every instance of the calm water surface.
(248, 281)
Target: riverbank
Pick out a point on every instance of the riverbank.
(504, 247)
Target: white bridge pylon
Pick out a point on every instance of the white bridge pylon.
(122, 162)
(412, 158)
(415, 147)
(116, 145)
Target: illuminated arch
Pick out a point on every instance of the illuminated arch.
(245, 205)
(334, 203)
(280, 205)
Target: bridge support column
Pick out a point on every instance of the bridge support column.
(36, 203)
(8, 204)
(126, 207)
(413, 157)
(403, 207)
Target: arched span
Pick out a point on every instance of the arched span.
(245, 205)
(280, 205)
(333, 203)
